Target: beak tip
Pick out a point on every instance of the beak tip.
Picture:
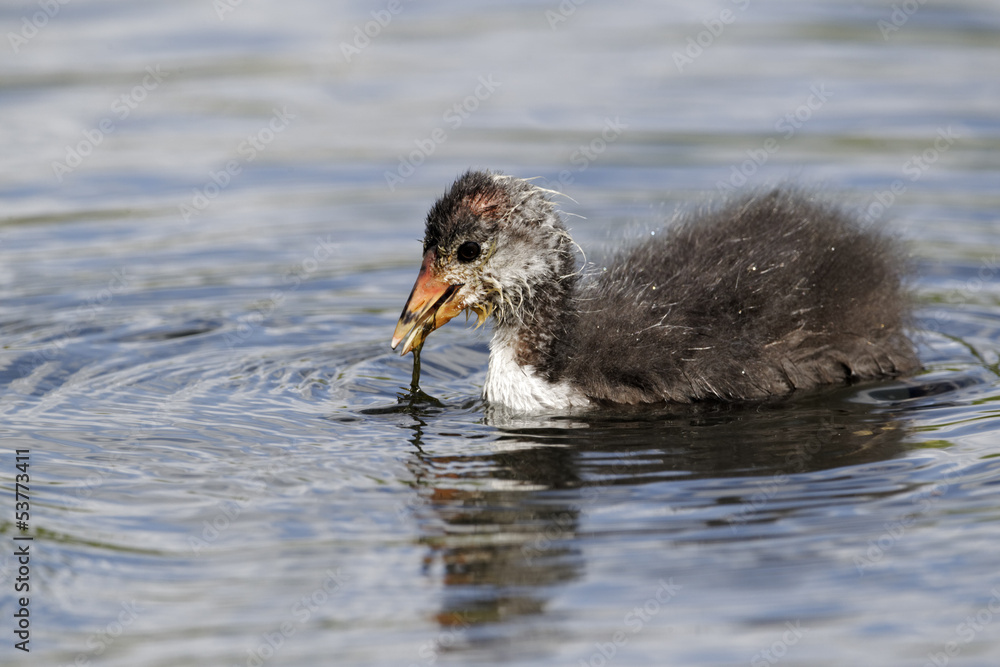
(432, 302)
(395, 344)
(400, 339)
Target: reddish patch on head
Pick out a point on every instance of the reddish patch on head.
(486, 203)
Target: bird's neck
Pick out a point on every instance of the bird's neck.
(529, 348)
(520, 386)
(536, 331)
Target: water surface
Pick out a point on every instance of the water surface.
(196, 315)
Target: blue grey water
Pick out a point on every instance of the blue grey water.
(209, 221)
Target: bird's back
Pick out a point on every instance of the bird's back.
(766, 295)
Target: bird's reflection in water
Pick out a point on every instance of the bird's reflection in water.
(502, 528)
(499, 528)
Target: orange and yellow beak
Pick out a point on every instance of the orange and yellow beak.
(432, 303)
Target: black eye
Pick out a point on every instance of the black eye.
(468, 251)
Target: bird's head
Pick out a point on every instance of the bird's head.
(490, 242)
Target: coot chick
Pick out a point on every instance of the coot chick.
(769, 294)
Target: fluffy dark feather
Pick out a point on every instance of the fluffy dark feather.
(768, 294)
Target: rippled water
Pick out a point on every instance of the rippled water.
(208, 230)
